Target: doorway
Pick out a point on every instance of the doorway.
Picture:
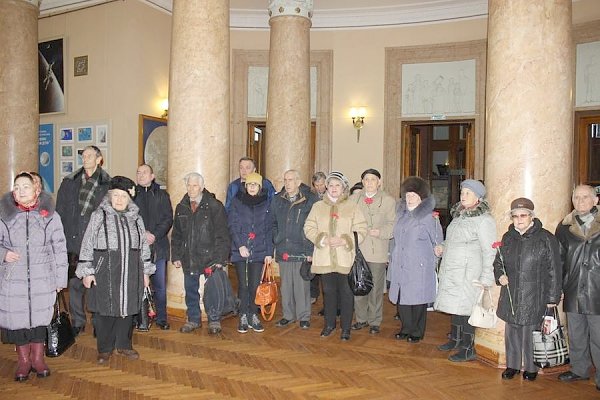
(587, 149)
(441, 153)
(255, 145)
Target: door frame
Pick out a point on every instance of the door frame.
(581, 140)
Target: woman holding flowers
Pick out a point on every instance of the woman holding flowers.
(412, 267)
(330, 226)
(250, 226)
(467, 258)
(527, 266)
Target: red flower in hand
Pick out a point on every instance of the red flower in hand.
(44, 213)
(251, 236)
(285, 256)
(496, 245)
(368, 200)
(334, 216)
(435, 214)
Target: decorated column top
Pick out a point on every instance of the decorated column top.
(300, 8)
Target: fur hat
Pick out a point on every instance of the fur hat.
(474, 186)
(371, 171)
(416, 185)
(339, 176)
(254, 178)
(522, 203)
(123, 183)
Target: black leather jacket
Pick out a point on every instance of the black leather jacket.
(200, 239)
(580, 255)
(532, 264)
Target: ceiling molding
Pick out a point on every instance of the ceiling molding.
(408, 13)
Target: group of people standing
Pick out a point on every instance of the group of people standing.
(108, 236)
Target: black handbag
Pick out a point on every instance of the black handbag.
(143, 320)
(360, 277)
(305, 270)
(60, 334)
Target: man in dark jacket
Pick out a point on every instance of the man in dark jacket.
(290, 209)
(157, 213)
(200, 239)
(579, 238)
(246, 167)
(80, 194)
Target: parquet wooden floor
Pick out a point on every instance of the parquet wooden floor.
(280, 363)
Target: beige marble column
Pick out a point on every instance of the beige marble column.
(288, 100)
(198, 106)
(529, 119)
(19, 110)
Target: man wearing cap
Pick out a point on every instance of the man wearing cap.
(378, 207)
(579, 237)
(199, 239)
(290, 209)
(468, 256)
(80, 193)
(246, 167)
(529, 275)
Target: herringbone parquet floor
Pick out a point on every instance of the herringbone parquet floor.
(280, 363)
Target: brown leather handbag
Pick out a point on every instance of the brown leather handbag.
(267, 293)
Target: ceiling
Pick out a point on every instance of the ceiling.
(328, 14)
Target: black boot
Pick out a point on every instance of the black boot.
(455, 338)
(467, 349)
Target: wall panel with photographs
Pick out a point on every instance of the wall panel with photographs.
(73, 138)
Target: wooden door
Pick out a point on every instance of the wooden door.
(587, 151)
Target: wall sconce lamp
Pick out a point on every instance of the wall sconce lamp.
(358, 115)
(164, 104)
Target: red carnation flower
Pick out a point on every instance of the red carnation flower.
(251, 236)
(334, 216)
(496, 245)
(285, 256)
(435, 214)
(368, 200)
(208, 271)
(44, 213)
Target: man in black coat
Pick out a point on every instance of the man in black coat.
(157, 213)
(579, 238)
(200, 239)
(80, 194)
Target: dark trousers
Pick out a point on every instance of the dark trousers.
(77, 302)
(315, 289)
(518, 342)
(191, 283)
(159, 285)
(113, 333)
(414, 319)
(248, 280)
(463, 321)
(336, 285)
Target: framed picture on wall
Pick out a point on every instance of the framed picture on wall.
(51, 56)
(102, 135)
(66, 135)
(153, 145)
(79, 159)
(66, 167)
(85, 134)
(66, 150)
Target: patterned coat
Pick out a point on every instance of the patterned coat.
(412, 268)
(119, 265)
(28, 286)
(468, 256)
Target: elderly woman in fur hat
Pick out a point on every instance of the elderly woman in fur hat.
(330, 226)
(468, 257)
(412, 267)
(114, 265)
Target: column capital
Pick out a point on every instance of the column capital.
(300, 8)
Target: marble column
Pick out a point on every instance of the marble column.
(529, 119)
(288, 101)
(19, 109)
(198, 106)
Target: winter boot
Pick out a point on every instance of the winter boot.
(467, 349)
(455, 338)
(37, 360)
(24, 363)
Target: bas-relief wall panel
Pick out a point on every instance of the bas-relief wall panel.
(587, 81)
(446, 88)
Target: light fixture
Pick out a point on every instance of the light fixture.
(164, 104)
(358, 115)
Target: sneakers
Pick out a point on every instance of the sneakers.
(283, 322)
(163, 325)
(190, 327)
(359, 325)
(255, 324)
(243, 324)
(214, 328)
(304, 324)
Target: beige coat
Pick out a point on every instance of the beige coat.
(380, 214)
(327, 219)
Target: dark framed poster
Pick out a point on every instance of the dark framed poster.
(153, 146)
(51, 56)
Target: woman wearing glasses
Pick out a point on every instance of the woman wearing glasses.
(527, 266)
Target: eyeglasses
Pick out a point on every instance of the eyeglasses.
(517, 216)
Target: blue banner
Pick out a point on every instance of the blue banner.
(46, 156)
